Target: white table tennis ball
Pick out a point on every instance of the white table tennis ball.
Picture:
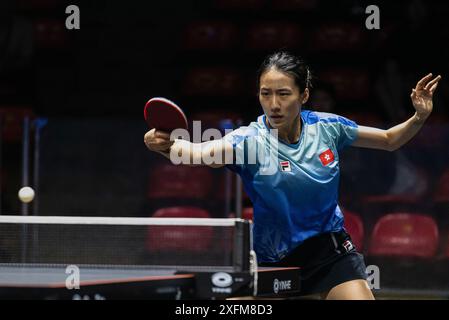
(26, 194)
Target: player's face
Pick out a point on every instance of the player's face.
(280, 98)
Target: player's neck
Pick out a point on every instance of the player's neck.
(292, 133)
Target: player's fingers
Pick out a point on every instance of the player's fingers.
(162, 141)
(431, 83)
(150, 138)
(162, 146)
(423, 81)
(157, 146)
(162, 134)
(149, 135)
(166, 146)
(154, 137)
(159, 141)
(433, 88)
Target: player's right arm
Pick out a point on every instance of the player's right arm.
(215, 153)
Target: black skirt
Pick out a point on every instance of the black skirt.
(326, 261)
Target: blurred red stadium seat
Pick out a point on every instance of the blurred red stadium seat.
(405, 235)
(181, 212)
(12, 122)
(349, 84)
(273, 35)
(442, 188)
(186, 238)
(218, 35)
(247, 213)
(50, 34)
(354, 226)
(213, 81)
(337, 37)
(179, 181)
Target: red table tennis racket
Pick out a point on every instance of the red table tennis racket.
(164, 115)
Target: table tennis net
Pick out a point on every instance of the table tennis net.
(122, 241)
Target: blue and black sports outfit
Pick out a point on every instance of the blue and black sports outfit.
(294, 191)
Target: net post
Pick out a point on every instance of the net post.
(242, 246)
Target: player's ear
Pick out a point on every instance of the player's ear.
(304, 96)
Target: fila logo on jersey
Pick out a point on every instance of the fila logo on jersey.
(327, 157)
(285, 166)
(348, 245)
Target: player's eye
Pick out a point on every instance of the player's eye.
(265, 93)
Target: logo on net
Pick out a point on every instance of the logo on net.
(281, 285)
(222, 282)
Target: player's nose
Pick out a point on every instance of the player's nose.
(274, 104)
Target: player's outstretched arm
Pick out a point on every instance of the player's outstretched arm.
(215, 153)
(395, 137)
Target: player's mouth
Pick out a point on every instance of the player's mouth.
(276, 117)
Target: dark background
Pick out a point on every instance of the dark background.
(91, 84)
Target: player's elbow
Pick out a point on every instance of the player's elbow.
(389, 143)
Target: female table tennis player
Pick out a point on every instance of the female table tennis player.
(297, 220)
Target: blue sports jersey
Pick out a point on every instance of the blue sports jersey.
(293, 187)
